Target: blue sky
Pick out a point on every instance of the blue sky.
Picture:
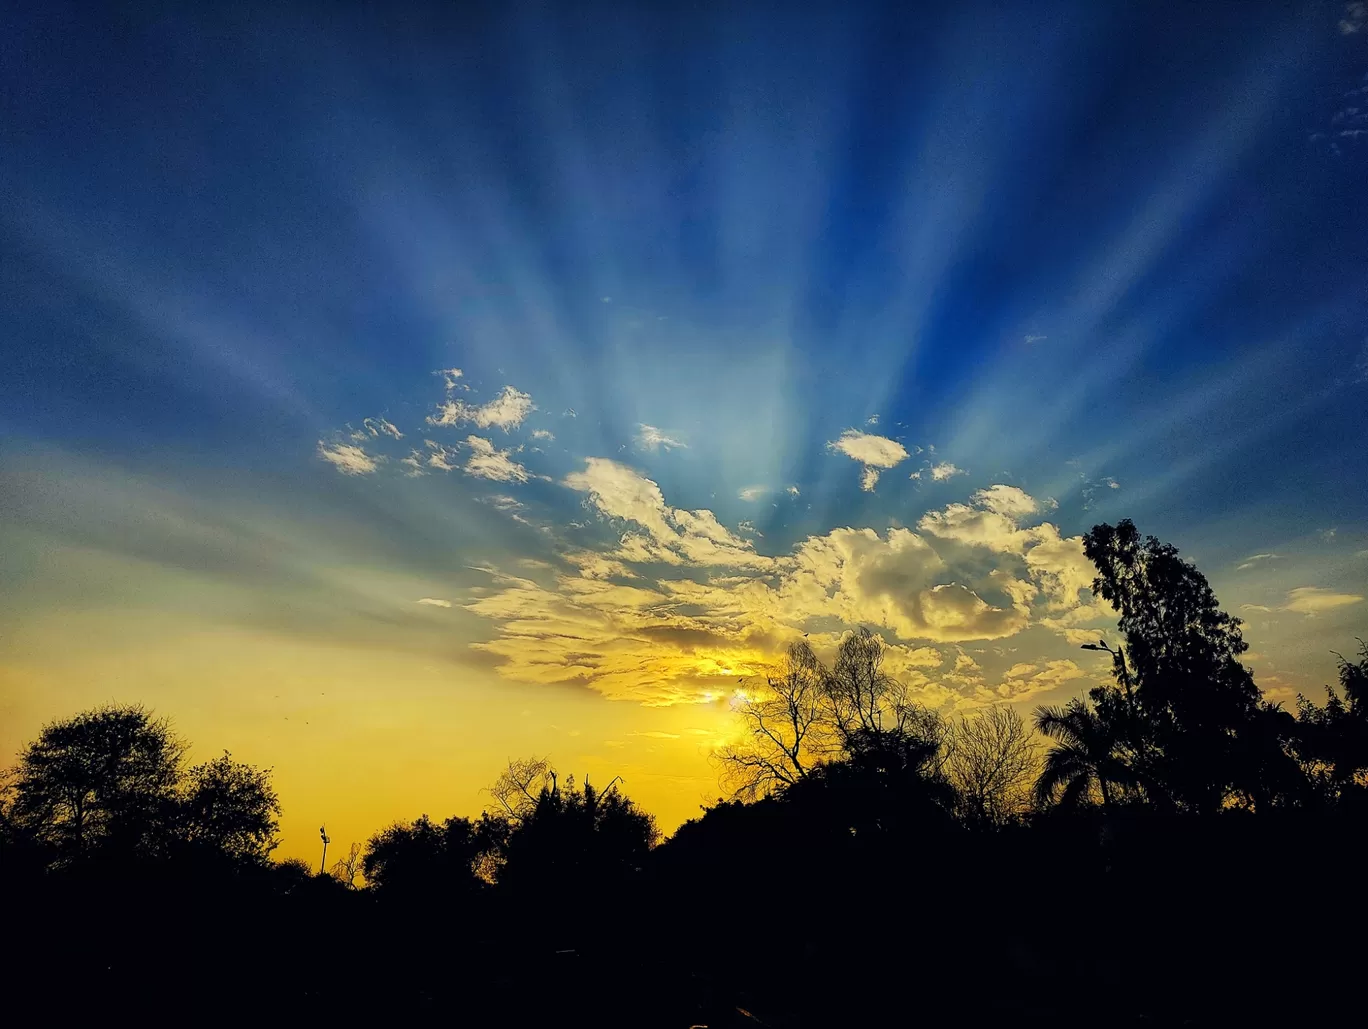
(1108, 259)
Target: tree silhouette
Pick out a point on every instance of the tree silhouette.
(1331, 741)
(103, 780)
(808, 714)
(1085, 763)
(992, 760)
(1190, 713)
(230, 807)
(578, 834)
(426, 859)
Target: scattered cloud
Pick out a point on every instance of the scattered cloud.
(1254, 559)
(752, 493)
(712, 610)
(506, 411)
(488, 462)
(1023, 681)
(348, 459)
(435, 602)
(1354, 19)
(672, 535)
(791, 490)
(872, 420)
(543, 434)
(1314, 600)
(1033, 338)
(441, 457)
(648, 437)
(944, 470)
(1092, 487)
(1259, 608)
(450, 377)
(874, 452)
(1327, 535)
(374, 428)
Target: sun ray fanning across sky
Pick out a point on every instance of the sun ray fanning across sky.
(387, 396)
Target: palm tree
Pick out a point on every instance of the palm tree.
(1085, 752)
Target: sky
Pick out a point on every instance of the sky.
(388, 391)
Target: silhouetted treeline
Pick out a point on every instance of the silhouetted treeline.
(1172, 850)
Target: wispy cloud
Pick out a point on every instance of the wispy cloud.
(543, 434)
(348, 459)
(1314, 600)
(506, 411)
(875, 453)
(1033, 338)
(1354, 19)
(488, 462)
(648, 437)
(752, 493)
(939, 472)
(434, 602)
(374, 428)
(1254, 559)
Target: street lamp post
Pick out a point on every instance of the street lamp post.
(323, 833)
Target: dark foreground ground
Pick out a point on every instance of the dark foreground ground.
(1190, 926)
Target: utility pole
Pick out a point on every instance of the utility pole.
(323, 832)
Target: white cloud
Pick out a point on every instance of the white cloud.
(413, 464)
(874, 452)
(713, 609)
(506, 411)
(751, 493)
(1313, 600)
(543, 434)
(488, 462)
(1254, 559)
(435, 602)
(1011, 501)
(648, 437)
(374, 428)
(1034, 338)
(1260, 608)
(945, 470)
(348, 459)
(672, 535)
(791, 491)
(443, 458)
(449, 377)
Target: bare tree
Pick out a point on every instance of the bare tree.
(992, 759)
(809, 713)
(345, 870)
(521, 783)
(790, 728)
